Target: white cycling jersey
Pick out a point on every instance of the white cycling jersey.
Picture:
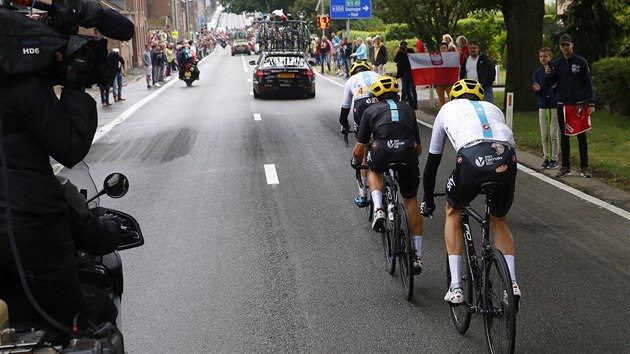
(358, 86)
(466, 122)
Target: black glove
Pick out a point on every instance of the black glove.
(77, 207)
(353, 163)
(427, 207)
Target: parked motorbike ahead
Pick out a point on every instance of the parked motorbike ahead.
(104, 272)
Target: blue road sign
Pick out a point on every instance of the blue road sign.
(350, 9)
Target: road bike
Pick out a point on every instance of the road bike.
(486, 282)
(398, 244)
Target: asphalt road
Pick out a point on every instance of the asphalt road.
(234, 264)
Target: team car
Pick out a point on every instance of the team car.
(241, 47)
(283, 73)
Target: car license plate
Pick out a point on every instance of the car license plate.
(188, 74)
(286, 76)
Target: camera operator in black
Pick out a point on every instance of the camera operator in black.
(395, 138)
(50, 219)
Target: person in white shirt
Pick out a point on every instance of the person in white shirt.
(479, 67)
(485, 153)
(356, 94)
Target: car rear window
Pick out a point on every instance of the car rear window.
(284, 60)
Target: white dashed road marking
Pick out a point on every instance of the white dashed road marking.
(272, 175)
(257, 116)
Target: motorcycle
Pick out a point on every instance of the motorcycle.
(223, 44)
(189, 73)
(104, 272)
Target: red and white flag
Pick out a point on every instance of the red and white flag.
(280, 14)
(441, 68)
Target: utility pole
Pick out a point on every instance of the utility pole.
(186, 12)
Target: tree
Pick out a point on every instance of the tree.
(524, 23)
(595, 31)
(430, 19)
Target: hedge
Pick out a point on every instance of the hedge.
(611, 79)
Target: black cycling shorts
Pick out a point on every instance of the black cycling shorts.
(384, 152)
(478, 164)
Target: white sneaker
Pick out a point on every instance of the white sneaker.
(378, 222)
(454, 296)
(516, 289)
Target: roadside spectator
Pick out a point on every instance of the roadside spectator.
(574, 87)
(346, 55)
(324, 51)
(361, 52)
(547, 102)
(479, 66)
(420, 46)
(337, 58)
(404, 74)
(381, 56)
(318, 58)
(334, 38)
(370, 49)
(169, 59)
(443, 89)
(161, 61)
(146, 62)
(449, 41)
(462, 47)
(105, 93)
(155, 64)
(120, 72)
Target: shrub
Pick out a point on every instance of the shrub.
(398, 32)
(611, 79)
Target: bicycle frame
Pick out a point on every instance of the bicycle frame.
(475, 263)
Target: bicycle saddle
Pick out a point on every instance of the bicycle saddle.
(490, 187)
(393, 165)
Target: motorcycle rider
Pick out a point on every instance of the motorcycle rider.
(186, 56)
(50, 220)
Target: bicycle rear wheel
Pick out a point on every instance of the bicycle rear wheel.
(498, 299)
(406, 254)
(388, 239)
(460, 314)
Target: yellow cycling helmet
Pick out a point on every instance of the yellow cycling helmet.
(383, 85)
(359, 65)
(464, 86)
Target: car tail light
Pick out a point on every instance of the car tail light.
(310, 73)
(260, 73)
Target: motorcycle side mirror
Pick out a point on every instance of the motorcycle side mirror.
(252, 62)
(116, 185)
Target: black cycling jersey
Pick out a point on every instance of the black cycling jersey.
(388, 119)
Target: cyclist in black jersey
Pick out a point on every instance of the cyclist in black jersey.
(395, 138)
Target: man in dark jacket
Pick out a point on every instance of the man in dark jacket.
(478, 66)
(381, 56)
(404, 73)
(572, 75)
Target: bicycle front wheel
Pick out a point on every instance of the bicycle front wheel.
(499, 303)
(461, 314)
(406, 255)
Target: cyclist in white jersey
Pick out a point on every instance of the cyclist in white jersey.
(485, 153)
(356, 94)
